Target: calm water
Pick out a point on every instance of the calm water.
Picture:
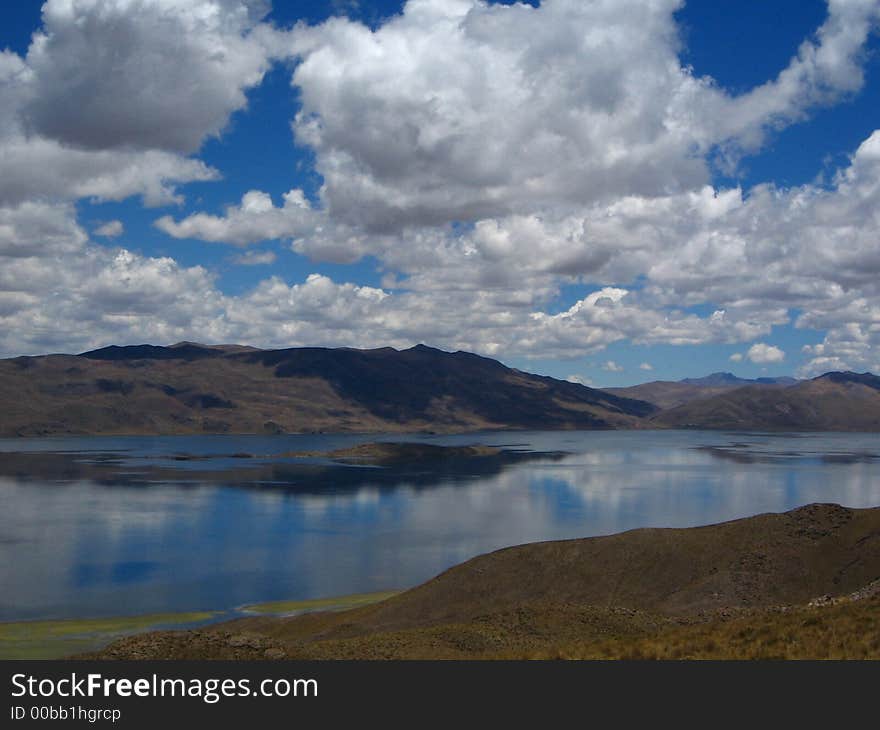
(112, 526)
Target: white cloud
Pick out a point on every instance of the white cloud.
(112, 95)
(84, 295)
(38, 229)
(762, 353)
(736, 357)
(821, 365)
(563, 116)
(580, 380)
(485, 155)
(461, 110)
(646, 366)
(143, 74)
(255, 258)
(110, 229)
(62, 292)
(612, 367)
(34, 168)
(254, 219)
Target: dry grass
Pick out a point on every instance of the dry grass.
(739, 590)
(848, 631)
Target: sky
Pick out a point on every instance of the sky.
(608, 191)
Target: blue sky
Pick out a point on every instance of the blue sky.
(539, 184)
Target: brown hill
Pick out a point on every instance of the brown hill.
(669, 394)
(645, 587)
(192, 388)
(831, 402)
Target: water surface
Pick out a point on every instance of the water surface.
(135, 525)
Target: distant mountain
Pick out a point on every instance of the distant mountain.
(720, 379)
(195, 388)
(837, 401)
(668, 394)
(868, 379)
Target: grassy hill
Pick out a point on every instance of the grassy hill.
(805, 583)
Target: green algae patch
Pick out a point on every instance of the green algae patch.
(337, 603)
(57, 639)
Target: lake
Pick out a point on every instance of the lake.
(112, 526)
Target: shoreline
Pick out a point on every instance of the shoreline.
(798, 584)
(61, 638)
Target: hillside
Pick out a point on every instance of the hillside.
(803, 583)
(832, 402)
(669, 394)
(192, 388)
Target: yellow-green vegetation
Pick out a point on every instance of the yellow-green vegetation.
(336, 603)
(55, 639)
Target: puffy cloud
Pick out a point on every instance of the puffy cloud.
(98, 296)
(646, 366)
(145, 74)
(34, 167)
(846, 346)
(763, 354)
(37, 169)
(736, 357)
(486, 155)
(62, 292)
(821, 365)
(110, 229)
(255, 258)
(612, 367)
(580, 380)
(255, 219)
(462, 110)
(572, 159)
(38, 229)
(112, 94)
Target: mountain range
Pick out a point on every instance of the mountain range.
(668, 393)
(837, 401)
(195, 388)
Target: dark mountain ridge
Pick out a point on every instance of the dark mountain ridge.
(194, 388)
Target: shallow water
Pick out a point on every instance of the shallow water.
(121, 526)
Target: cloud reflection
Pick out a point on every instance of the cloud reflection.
(76, 547)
